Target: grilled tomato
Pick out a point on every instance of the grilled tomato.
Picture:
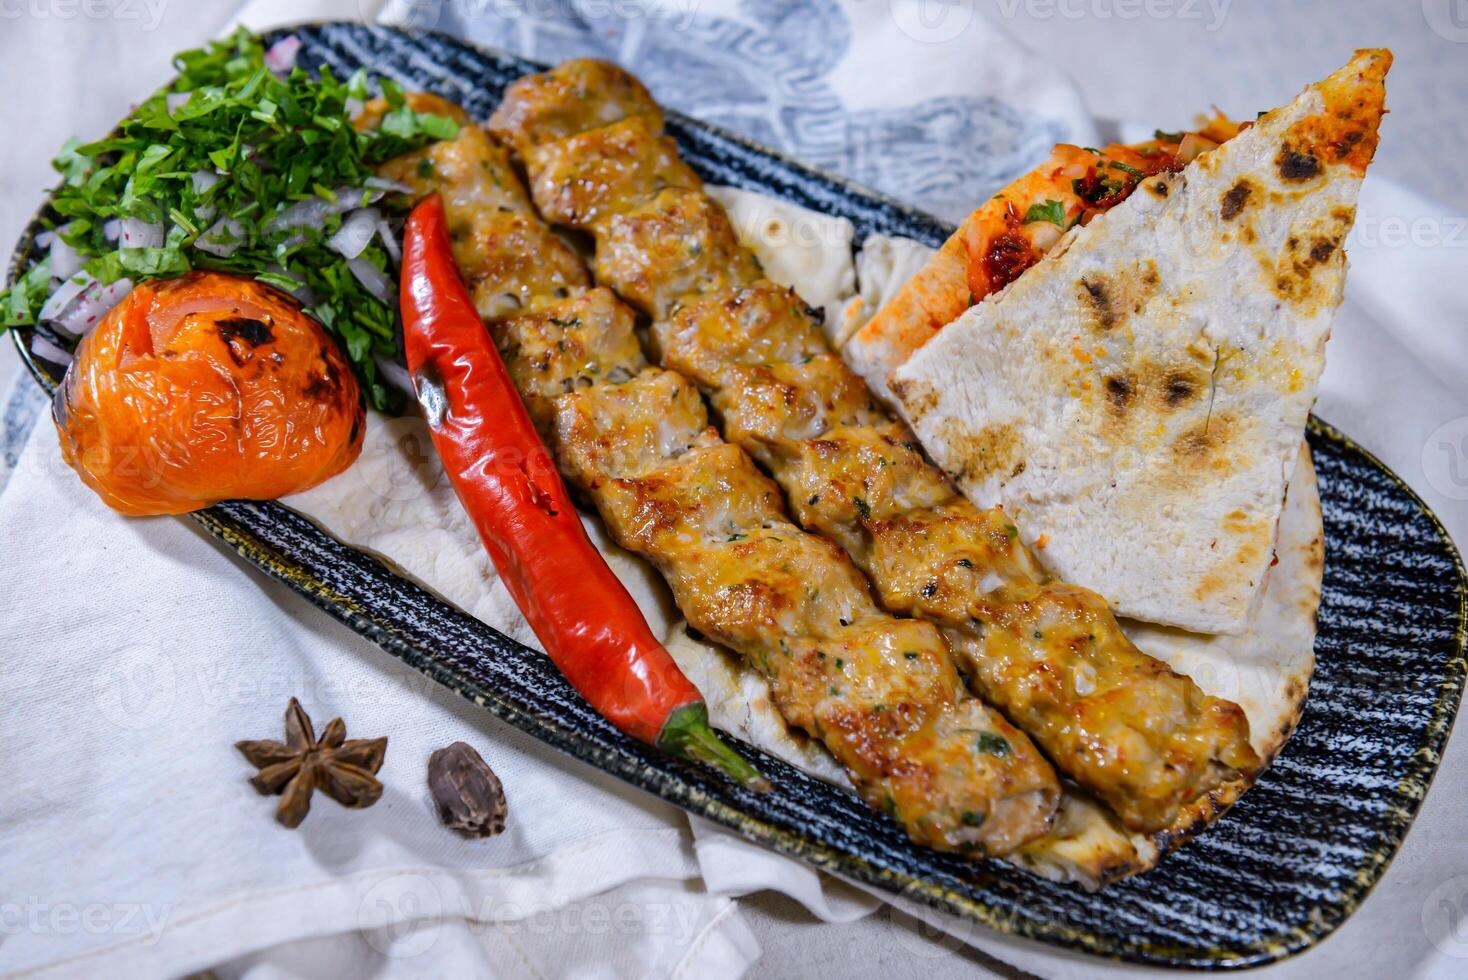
(206, 388)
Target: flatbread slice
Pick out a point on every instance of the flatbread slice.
(1136, 398)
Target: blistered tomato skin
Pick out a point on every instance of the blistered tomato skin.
(205, 388)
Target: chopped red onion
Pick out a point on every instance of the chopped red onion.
(112, 293)
(383, 184)
(69, 290)
(112, 229)
(65, 262)
(372, 280)
(47, 351)
(313, 212)
(356, 232)
(281, 57)
(203, 180)
(389, 240)
(222, 238)
(88, 309)
(137, 233)
(303, 293)
(395, 374)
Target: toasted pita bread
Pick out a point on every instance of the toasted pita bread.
(1136, 398)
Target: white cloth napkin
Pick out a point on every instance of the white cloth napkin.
(139, 652)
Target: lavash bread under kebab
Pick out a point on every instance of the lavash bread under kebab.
(881, 694)
(1138, 735)
(1137, 397)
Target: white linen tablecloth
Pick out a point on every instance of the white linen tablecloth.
(139, 652)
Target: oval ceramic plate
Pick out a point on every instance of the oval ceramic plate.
(1282, 870)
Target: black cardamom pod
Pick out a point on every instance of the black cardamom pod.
(466, 792)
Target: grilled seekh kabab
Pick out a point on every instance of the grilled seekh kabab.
(881, 693)
(1141, 737)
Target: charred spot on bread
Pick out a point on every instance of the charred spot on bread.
(1095, 291)
(1234, 200)
(1115, 298)
(1177, 389)
(1119, 390)
(1297, 166)
(918, 397)
(1205, 446)
(993, 449)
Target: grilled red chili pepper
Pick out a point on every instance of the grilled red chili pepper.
(507, 482)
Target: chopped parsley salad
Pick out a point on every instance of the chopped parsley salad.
(243, 164)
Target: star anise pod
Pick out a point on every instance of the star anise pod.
(344, 769)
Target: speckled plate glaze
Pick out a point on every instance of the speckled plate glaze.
(1282, 870)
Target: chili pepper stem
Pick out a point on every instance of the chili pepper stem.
(688, 735)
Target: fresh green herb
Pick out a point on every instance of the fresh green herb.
(862, 507)
(1167, 137)
(973, 818)
(221, 155)
(1051, 211)
(1126, 169)
(910, 654)
(991, 744)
